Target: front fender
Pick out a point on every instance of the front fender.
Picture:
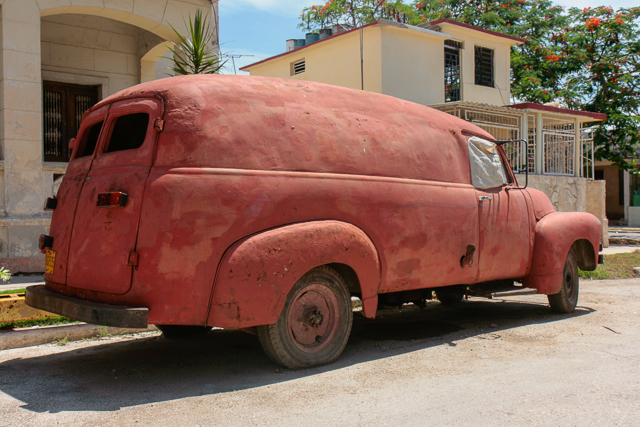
(256, 274)
(556, 234)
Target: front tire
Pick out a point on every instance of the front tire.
(566, 300)
(315, 322)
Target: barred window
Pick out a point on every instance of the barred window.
(484, 66)
(62, 108)
(451, 73)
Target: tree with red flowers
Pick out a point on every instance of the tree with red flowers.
(352, 13)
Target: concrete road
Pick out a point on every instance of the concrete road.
(481, 363)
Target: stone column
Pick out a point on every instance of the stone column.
(21, 134)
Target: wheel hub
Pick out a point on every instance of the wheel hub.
(313, 318)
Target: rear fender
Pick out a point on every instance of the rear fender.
(257, 273)
(556, 234)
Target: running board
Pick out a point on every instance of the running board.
(507, 293)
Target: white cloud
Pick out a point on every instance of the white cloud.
(279, 7)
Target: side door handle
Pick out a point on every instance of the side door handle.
(481, 198)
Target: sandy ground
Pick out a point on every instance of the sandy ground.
(481, 363)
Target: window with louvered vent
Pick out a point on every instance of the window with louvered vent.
(484, 66)
(297, 67)
(62, 108)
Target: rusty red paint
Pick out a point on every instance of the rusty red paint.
(252, 182)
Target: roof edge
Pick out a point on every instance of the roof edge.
(473, 27)
(378, 22)
(550, 109)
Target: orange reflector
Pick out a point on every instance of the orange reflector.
(111, 200)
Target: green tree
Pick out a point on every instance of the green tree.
(353, 13)
(598, 61)
(193, 53)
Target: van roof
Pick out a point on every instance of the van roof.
(262, 123)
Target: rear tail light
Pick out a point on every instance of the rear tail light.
(45, 242)
(111, 200)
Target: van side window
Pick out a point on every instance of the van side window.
(89, 140)
(128, 132)
(487, 170)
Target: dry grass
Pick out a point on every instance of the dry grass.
(616, 266)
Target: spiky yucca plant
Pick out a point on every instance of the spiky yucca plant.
(192, 54)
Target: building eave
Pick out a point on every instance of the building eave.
(584, 116)
(446, 21)
(381, 22)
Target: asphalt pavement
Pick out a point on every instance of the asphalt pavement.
(481, 363)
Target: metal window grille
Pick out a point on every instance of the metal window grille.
(502, 127)
(558, 142)
(298, 67)
(62, 108)
(531, 139)
(451, 74)
(558, 153)
(587, 161)
(484, 66)
(82, 104)
(52, 126)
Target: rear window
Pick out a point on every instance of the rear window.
(89, 140)
(128, 132)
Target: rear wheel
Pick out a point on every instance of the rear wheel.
(315, 323)
(182, 331)
(566, 300)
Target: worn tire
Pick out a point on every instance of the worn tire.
(566, 300)
(450, 295)
(173, 332)
(315, 322)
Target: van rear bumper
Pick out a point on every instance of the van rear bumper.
(85, 311)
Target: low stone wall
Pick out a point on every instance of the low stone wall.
(573, 194)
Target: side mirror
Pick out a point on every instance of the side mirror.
(72, 144)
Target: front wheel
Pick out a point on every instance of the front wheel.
(315, 323)
(566, 300)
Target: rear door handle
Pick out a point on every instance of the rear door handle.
(481, 198)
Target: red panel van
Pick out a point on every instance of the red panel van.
(240, 202)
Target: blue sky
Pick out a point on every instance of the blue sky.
(261, 27)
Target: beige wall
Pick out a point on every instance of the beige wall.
(88, 45)
(407, 63)
(334, 61)
(413, 65)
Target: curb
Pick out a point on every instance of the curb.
(46, 334)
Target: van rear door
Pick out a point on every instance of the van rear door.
(103, 241)
(62, 222)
